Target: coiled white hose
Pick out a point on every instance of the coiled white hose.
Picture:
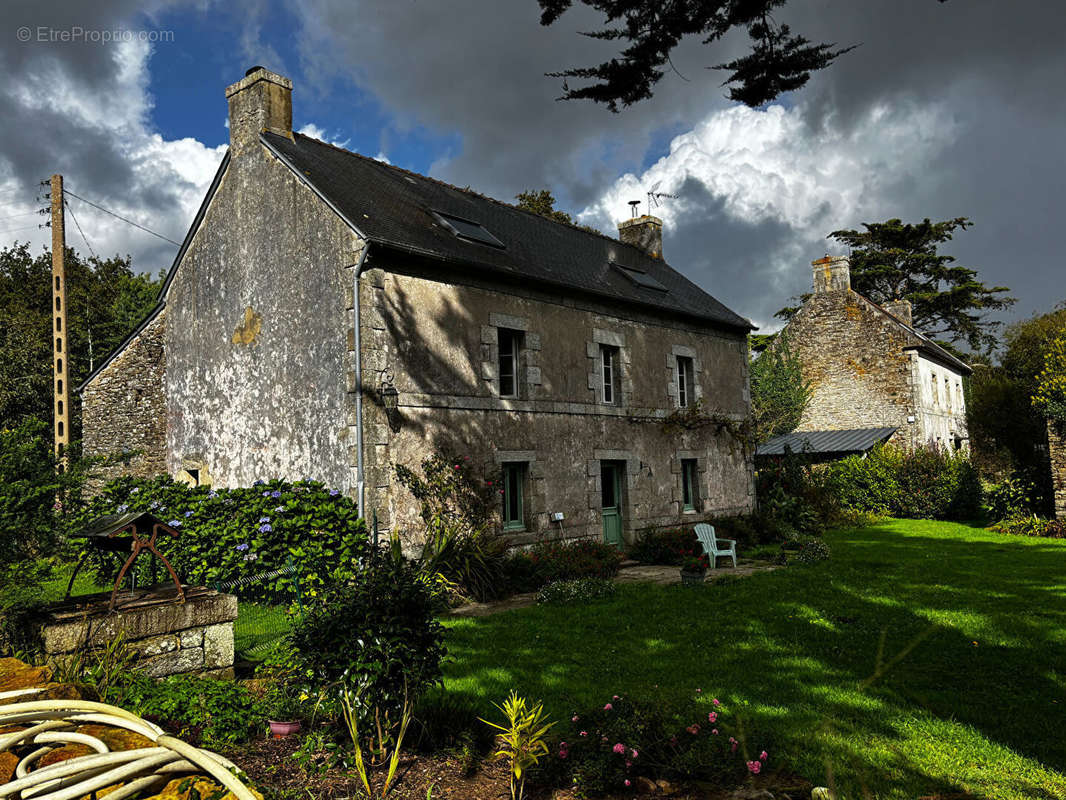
(51, 723)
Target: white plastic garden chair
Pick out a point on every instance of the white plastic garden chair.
(715, 547)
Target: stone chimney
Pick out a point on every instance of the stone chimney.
(900, 308)
(261, 101)
(645, 232)
(831, 274)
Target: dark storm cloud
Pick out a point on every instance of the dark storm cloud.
(993, 70)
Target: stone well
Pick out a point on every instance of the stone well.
(167, 636)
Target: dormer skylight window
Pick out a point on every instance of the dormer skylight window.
(468, 229)
(640, 278)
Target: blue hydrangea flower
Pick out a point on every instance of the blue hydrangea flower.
(279, 509)
(174, 523)
(275, 494)
(154, 504)
(259, 483)
(212, 493)
(242, 546)
(188, 514)
(266, 494)
(264, 519)
(135, 489)
(266, 528)
(333, 493)
(122, 508)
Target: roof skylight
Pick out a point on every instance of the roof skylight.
(468, 229)
(640, 278)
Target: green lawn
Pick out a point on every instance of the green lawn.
(973, 628)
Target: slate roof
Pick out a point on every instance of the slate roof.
(392, 208)
(919, 341)
(825, 442)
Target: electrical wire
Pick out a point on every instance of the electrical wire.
(23, 228)
(78, 226)
(119, 216)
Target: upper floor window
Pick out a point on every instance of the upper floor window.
(690, 496)
(947, 391)
(686, 388)
(610, 374)
(958, 396)
(510, 351)
(936, 389)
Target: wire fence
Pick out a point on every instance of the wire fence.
(263, 621)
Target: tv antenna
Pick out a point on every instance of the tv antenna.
(655, 196)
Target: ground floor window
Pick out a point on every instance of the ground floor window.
(514, 479)
(689, 485)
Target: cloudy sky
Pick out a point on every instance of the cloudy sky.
(945, 110)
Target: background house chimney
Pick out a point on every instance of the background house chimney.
(900, 308)
(831, 274)
(645, 232)
(261, 101)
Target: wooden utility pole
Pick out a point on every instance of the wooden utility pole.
(60, 367)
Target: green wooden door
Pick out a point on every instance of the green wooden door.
(611, 502)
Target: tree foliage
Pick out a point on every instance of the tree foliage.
(894, 259)
(542, 202)
(779, 393)
(779, 61)
(105, 301)
(1050, 395)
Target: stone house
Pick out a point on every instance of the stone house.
(329, 315)
(873, 376)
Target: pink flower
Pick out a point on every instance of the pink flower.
(490, 483)
(633, 753)
(608, 707)
(573, 718)
(754, 767)
(714, 731)
(627, 782)
(583, 733)
(763, 755)
(699, 691)
(733, 747)
(628, 763)
(712, 717)
(715, 701)
(616, 697)
(693, 729)
(619, 748)
(457, 466)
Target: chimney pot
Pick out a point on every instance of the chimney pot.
(831, 274)
(645, 232)
(261, 101)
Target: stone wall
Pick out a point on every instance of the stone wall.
(124, 406)
(1057, 452)
(257, 333)
(166, 636)
(437, 341)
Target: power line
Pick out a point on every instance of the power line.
(23, 228)
(78, 226)
(23, 214)
(127, 221)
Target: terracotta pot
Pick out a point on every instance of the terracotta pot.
(692, 578)
(279, 730)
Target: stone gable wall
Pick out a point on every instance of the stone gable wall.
(852, 354)
(124, 406)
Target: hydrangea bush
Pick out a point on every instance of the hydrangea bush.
(227, 534)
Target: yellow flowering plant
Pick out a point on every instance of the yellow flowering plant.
(1050, 396)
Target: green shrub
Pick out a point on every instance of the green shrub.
(924, 483)
(1013, 497)
(230, 533)
(1032, 526)
(667, 546)
(812, 551)
(582, 558)
(792, 498)
(200, 710)
(377, 633)
(578, 590)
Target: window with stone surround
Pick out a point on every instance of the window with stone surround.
(509, 360)
(514, 493)
(690, 485)
(685, 382)
(611, 369)
(936, 389)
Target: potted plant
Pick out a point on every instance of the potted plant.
(284, 705)
(693, 569)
